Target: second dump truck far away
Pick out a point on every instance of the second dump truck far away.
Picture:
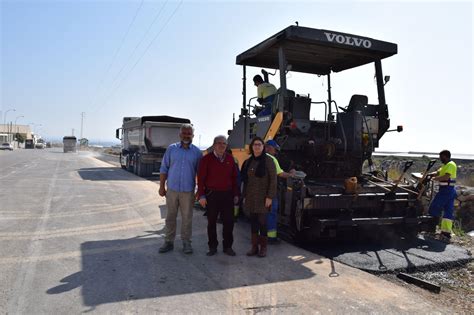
(144, 141)
(69, 144)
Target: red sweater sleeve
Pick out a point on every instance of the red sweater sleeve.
(202, 174)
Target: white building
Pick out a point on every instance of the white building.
(8, 132)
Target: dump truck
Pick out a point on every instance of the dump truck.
(144, 141)
(331, 194)
(29, 144)
(69, 144)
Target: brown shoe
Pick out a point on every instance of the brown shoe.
(254, 250)
(263, 240)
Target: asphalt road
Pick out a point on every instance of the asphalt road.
(81, 235)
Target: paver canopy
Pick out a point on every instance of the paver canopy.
(316, 51)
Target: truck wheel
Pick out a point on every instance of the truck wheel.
(120, 161)
(136, 166)
(128, 166)
(148, 170)
(140, 168)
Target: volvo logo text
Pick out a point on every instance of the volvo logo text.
(348, 40)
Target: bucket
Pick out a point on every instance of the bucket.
(350, 185)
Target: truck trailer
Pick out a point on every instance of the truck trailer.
(69, 144)
(29, 144)
(144, 142)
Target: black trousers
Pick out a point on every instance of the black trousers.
(220, 202)
(258, 223)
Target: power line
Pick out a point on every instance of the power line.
(146, 49)
(116, 54)
(149, 45)
(140, 42)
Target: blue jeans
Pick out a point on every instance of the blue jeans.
(267, 102)
(443, 202)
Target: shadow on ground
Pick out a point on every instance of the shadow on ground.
(129, 269)
(107, 173)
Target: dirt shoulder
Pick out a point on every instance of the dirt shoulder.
(457, 284)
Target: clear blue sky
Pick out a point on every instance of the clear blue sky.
(61, 58)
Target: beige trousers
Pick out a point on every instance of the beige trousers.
(184, 201)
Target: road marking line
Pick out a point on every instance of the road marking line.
(100, 228)
(77, 253)
(27, 166)
(26, 273)
(113, 208)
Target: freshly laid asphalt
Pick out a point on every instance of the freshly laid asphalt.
(422, 253)
(81, 235)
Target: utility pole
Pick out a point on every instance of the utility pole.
(5, 122)
(82, 122)
(16, 131)
(72, 131)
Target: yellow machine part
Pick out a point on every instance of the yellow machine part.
(241, 154)
(274, 127)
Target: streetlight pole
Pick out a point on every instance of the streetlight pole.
(5, 122)
(82, 122)
(38, 125)
(16, 120)
(33, 131)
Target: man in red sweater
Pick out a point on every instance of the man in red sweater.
(218, 192)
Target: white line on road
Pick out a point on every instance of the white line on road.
(27, 272)
(91, 229)
(71, 254)
(112, 208)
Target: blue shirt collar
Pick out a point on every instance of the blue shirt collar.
(180, 145)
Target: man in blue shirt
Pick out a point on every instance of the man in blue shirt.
(178, 171)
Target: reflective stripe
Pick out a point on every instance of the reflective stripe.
(447, 183)
(446, 225)
(272, 234)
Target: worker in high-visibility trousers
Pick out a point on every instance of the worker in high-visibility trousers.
(272, 147)
(443, 202)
